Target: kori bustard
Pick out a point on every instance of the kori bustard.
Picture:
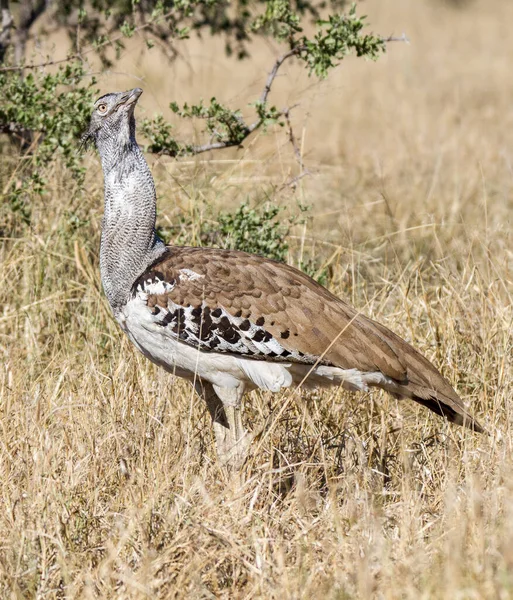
(229, 321)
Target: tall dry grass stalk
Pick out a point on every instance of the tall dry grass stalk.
(108, 477)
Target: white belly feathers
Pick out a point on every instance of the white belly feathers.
(224, 370)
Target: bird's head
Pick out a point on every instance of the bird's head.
(112, 121)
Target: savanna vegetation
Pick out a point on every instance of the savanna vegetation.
(388, 180)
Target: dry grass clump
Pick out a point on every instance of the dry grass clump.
(108, 477)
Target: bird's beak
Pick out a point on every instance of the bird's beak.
(130, 97)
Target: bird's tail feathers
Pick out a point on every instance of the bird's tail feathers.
(450, 407)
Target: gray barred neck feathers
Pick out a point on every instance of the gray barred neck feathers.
(129, 243)
(118, 149)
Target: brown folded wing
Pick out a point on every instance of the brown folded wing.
(241, 302)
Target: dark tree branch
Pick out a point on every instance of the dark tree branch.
(80, 55)
(11, 128)
(5, 28)
(193, 150)
(30, 11)
(16, 130)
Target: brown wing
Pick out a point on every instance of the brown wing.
(230, 301)
(294, 309)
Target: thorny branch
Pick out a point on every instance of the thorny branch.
(274, 71)
(229, 143)
(285, 112)
(303, 171)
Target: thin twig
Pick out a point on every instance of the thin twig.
(401, 38)
(293, 141)
(293, 181)
(219, 145)
(274, 71)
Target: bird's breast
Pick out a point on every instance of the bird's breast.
(170, 353)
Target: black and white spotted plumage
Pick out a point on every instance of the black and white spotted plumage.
(215, 329)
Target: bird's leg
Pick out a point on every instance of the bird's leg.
(217, 412)
(232, 440)
(236, 440)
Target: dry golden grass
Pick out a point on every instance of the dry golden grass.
(108, 477)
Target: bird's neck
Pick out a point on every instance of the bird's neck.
(129, 243)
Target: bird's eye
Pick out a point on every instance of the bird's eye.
(102, 108)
